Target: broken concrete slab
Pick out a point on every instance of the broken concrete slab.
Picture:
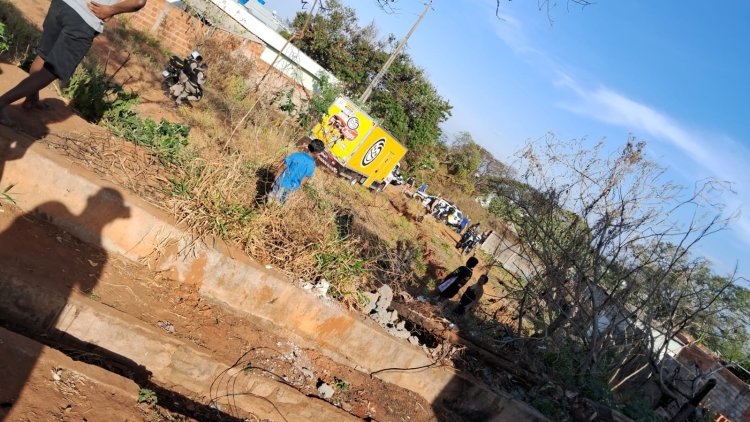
(325, 390)
(385, 297)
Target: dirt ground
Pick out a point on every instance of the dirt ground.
(61, 389)
(179, 311)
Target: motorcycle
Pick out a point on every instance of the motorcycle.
(467, 243)
(184, 78)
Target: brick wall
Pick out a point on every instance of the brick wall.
(731, 396)
(180, 32)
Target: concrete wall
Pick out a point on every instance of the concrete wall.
(506, 247)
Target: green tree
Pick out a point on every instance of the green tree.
(405, 102)
(464, 156)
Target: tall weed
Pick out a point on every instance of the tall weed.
(94, 94)
(19, 36)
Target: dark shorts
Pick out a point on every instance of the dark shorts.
(66, 38)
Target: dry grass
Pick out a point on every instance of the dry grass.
(346, 234)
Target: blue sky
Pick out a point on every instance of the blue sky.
(674, 75)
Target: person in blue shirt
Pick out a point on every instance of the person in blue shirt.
(296, 169)
(462, 225)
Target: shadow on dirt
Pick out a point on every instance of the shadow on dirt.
(31, 126)
(264, 183)
(41, 267)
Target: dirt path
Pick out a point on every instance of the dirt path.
(59, 388)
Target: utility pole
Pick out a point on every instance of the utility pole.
(393, 56)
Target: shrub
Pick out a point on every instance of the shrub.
(94, 95)
(167, 141)
(18, 36)
(4, 39)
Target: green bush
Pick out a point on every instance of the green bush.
(94, 95)
(4, 39)
(147, 396)
(18, 37)
(98, 99)
(316, 107)
(167, 140)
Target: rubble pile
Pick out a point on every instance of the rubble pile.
(377, 309)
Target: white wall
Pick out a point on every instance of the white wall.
(293, 62)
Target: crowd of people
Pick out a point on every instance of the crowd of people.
(471, 236)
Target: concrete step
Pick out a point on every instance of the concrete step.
(52, 384)
(226, 276)
(149, 354)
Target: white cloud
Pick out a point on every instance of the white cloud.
(716, 156)
(510, 30)
(708, 155)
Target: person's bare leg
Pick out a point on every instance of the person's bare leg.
(32, 100)
(29, 86)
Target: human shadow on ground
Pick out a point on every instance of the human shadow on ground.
(39, 274)
(31, 126)
(264, 183)
(41, 267)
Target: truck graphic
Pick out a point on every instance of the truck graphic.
(357, 147)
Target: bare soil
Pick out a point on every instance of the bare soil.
(70, 265)
(59, 389)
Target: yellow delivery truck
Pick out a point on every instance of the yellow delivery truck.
(356, 146)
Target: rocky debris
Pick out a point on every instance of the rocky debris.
(377, 308)
(372, 302)
(319, 288)
(326, 391)
(308, 373)
(406, 297)
(166, 325)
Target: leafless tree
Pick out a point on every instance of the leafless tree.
(607, 274)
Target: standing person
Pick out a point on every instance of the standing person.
(453, 282)
(68, 32)
(462, 225)
(409, 183)
(296, 169)
(470, 298)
